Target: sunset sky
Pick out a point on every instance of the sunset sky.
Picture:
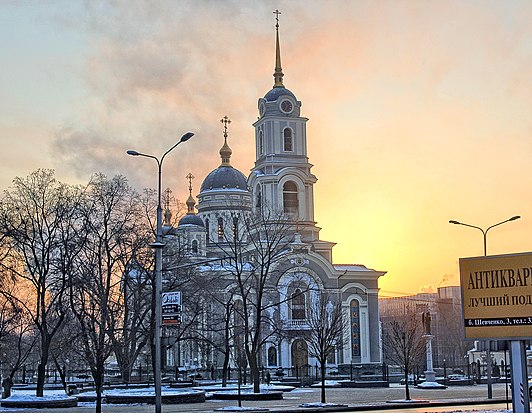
(419, 111)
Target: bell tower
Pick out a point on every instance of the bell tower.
(281, 179)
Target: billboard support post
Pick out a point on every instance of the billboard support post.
(520, 395)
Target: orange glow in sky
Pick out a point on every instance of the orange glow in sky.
(419, 111)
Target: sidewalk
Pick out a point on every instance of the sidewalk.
(356, 399)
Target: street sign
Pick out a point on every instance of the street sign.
(497, 296)
(171, 308)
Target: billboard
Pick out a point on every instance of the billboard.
(171, 308)
(497, 296)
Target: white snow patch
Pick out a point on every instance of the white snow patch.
(241, 409)
(319, 405)
(30, 397)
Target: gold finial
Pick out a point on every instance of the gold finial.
(190, 201)
(167, 212)
(225, 151)
(278, 74)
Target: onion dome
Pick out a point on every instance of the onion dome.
(191, 218)
(225, 176)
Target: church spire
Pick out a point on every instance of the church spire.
(225, 151)
(278, 74)
(190, 201)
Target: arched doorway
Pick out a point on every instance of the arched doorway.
(300, 357)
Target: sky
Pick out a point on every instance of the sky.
(419, 111)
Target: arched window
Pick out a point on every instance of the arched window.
(298, 305)
(290, 201)
(235, 228)
(288, 143)
(258, 195)
(272, 356)
(355, 328)
(208, 240)
(261, 142)
(195, 246)
(220, 229)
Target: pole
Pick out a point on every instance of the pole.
(488, 342)
(158, 246)
(158, 289)
(520, 396)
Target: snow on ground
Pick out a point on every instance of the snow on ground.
(320, 405)
(30, 397)
(480, 411)
(241, 409)
(328, 383)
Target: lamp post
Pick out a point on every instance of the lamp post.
(488, 342)
(158, 247)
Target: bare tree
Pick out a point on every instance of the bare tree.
(255, 248)
(17, 333)
(403, 344)
(40, 230)
(326, 331)
(112, 209)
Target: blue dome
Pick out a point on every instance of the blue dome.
(191, 219)
(225, 177)
(277, 92)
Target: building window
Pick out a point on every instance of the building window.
(208, 238)
(298, 305)
(258, 202)
(194, 246)
(290, 201)
(272, 356)
(288, 143)
(355, 328)
(261, 142)
(235, 228)
(220, 229)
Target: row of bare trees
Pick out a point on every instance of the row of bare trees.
(76, 277)
(74, 272)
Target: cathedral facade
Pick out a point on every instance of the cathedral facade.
(281, 181)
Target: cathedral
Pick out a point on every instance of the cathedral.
(281, 180)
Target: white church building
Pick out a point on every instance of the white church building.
(281, 180)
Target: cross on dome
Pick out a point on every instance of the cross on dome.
(225, 151)
(190, 201)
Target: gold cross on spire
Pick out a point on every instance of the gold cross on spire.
(167, 193)
(277, 13)
(278, 73)
(167, 212)
(226, 121)
(190, 177)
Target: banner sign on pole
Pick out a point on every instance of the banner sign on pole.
(171, 308)
(497, 296)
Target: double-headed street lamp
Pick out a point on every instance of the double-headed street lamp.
(158, 246)
(484, 234)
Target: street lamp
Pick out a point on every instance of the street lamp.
(158, 247)
(484, 234)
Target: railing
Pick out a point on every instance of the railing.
(297, 324)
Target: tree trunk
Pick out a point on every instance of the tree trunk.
(323, 367)
(224, 368)
(62, 374)
(407, 389)
(255, 373)
(98, 384)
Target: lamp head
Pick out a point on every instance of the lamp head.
(452, 221)
(133, 153)
(186, 136)
(514, 218)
